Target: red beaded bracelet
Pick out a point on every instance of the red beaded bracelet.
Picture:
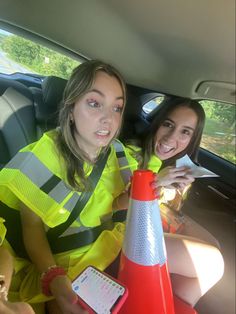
(48, 276)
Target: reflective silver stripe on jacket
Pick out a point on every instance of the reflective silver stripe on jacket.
(123, 162)
(72, 230)
(70, 204)
(106, 220)
(60, 192)
(26, 161)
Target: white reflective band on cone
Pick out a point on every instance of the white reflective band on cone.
(144, 240)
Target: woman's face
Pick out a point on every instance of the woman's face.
(175, 133)
(97, 115)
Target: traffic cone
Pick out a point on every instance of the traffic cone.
(143, 264)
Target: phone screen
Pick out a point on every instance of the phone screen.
(98, 290)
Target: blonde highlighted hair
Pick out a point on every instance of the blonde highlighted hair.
(77, 86)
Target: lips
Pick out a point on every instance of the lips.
(163, 149)
(103, 132)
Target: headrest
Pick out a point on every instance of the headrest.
(53, 88)
(47, 99)
(19, 87)
(131, 115)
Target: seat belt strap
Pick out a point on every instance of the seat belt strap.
(123, 162)
(120, 215)
(94, 177)
(79, 239)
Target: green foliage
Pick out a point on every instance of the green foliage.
(37, 58)
(2, 37)
(219, 132)
(219, 111)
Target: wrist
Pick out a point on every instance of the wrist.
(48, 276)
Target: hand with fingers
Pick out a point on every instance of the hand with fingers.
(66, 298)
(172, 177)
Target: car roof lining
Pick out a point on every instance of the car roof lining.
(168, 46)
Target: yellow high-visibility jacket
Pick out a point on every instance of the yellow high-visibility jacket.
(26, 179)
(132, 153)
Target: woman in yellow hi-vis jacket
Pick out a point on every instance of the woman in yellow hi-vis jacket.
(194, 261)
(63, 187)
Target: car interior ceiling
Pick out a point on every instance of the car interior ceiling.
(198, 54)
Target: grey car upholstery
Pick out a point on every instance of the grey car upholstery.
(17, 123)
(26, 112)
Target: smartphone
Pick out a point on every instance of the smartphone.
(98, 292)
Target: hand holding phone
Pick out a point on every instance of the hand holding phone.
(98, 292)
(66, 298)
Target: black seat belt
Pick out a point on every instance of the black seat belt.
(69, 242)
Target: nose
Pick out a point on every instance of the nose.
(106, 115)
(171, 134)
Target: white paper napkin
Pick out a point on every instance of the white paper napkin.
(197, 171)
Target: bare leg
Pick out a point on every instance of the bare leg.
(194, 229)
(194, 266)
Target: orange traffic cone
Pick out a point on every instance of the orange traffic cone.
(143, 266)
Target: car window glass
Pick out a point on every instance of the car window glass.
(152, 104)
(219, 133)
(18, 54)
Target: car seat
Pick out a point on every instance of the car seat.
(26, 112)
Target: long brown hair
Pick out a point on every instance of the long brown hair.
(162, 113)
(79, 83)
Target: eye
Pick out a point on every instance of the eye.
(118, 108)
(167, 124)
(93, 103)
(187, 132)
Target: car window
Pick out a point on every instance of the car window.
(152, 104)
(219, 133)
(18, 54)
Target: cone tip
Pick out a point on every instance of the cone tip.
(141, 188)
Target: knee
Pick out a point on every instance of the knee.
(219, 264)
(215, 267)
(25, 308)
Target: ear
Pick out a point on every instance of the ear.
(71, 116)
